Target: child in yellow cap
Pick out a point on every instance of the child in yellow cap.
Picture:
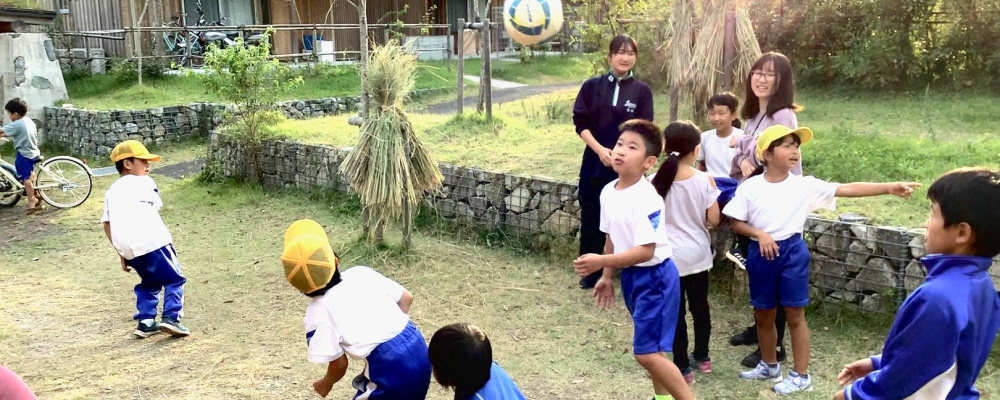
(771, 208)
(358, 313)
(132, 222)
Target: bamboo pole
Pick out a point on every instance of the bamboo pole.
(461, 64)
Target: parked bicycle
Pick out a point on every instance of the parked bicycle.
(63, 182)
(178, 43)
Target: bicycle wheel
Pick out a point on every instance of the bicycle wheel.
(10, 193)
(63, 182)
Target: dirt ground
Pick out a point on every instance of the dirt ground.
(66, 308)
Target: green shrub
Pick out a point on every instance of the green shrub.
(127, 70)
(877, 44)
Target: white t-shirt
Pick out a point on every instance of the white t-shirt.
(132, 206)
(780, 209)
(634, 217)
(716, 153)
(687, 231)
(354, 316)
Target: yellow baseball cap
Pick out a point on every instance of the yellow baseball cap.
(308, 259)
(776, 132)
(132, 149)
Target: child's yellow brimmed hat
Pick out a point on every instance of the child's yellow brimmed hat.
(132, 149)
(308, 259)
(775, 132)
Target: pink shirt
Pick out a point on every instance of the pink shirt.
(12, 387)
(746, 146)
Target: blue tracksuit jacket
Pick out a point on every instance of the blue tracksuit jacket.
(941, 337)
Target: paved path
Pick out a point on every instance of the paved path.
(500, 96)
(497, 83)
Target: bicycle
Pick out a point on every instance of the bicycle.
(177, 45)
(63, 182)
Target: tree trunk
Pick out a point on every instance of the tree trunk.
(363, 18)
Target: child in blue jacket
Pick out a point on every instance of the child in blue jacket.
(943, 332)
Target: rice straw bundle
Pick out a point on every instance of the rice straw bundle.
(705, 70)
(747, 50)
(680, 42)
(389, 168)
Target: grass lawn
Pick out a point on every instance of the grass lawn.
(858, 138)
(66, 322)
(105, 92)
(540, 70)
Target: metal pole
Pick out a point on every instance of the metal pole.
(315, 45)
(461, 63)
(488, 74)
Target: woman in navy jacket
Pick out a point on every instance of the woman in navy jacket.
(604, 103)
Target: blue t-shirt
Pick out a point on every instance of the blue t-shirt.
(499, 387)
(25, 137)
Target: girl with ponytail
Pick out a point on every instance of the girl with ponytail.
(690, 201)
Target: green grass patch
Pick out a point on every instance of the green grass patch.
(540, 70)
(523, 139)
(107, 92)
(24, 4)
(858, 138)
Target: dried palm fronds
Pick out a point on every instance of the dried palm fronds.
(389, 168)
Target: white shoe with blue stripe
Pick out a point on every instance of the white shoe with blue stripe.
(794, 383)
(763, 373)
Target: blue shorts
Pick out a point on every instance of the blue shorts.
(784, 280)
(728, 188)
(24, 166)
(398, 369)
(652, 295)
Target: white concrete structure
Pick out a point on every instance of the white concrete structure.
(29, 70)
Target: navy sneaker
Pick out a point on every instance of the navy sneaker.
(173, 327)
(146, 328)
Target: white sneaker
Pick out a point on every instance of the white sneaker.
(763, 373)
(794, 383)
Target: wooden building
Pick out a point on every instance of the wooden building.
(102, 15)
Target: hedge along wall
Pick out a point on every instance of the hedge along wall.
(94, 133)
(868, 266)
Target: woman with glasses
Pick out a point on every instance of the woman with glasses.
(770, 100)
(604, 103)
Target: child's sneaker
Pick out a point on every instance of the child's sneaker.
(173, 327)
(703, 366)
(763, 373)
(688, 375)
(794, 383)
(736, 257)
(146, 328)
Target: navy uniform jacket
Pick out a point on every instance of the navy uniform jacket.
(604, 103)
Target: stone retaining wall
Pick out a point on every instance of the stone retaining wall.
(94, 133)
(869, 266)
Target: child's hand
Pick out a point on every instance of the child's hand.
(903, 189)
(733, 142)
(604, 293)
(839, 396)
(322, 387)
(124, 265)
(855, 370)
(768, 247)
(587, 264)
(747, 167)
